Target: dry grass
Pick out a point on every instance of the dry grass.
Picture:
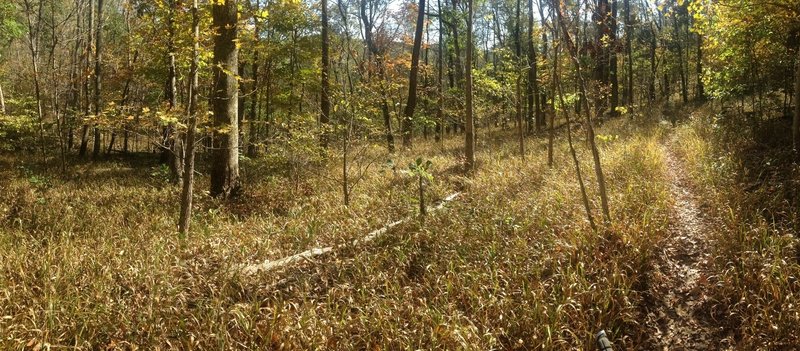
(93, 261)
(751, 185)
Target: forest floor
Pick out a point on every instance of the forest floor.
(89, 259)
(677, 311)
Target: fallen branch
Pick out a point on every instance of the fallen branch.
(307, 255)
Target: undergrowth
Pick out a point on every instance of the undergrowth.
(751, 183)
(91, 260)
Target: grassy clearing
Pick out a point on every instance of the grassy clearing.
(751, 185)
(92, 261)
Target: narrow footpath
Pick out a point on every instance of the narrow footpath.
(675, 312)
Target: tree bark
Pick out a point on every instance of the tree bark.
(601, 182)
(171, 145)
(459, 71)
(518, 87)
(98, 58)
(534, 103)
(325, 102)
(601, 18)
(88, 58)
(613, 60)
(651, 87)
(188, 166)
(440, 80)
(34, 32)
(679, 44)
(225, 153)
(700, 91)
(377, 54)
(411, 104)
(2, 102)
(470, 123)
(796, 117)
(253, 116)
(629, 97)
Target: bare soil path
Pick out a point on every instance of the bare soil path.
(676, 313)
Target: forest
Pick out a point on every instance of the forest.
(400, 174)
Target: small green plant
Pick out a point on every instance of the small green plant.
(421, 169)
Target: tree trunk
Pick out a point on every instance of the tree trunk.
(551, 130)
(796, 117)
(377, 54)
(700, 91)
(325, 102)
(678, 41)
(470, 123)
(601, 182)
(87, 59)
(629, 97)
(188, 166)
(2, 102)
(411, 104)
(534, 103)
(601, 18)
(241, 100)
(518, 88)
(613, 60)
(440, 80)
(225, 153)
(459, 72)
(170, 148)
(253, 115)
(651, 87)
(34, 29)
(98, 58)
(560, 92)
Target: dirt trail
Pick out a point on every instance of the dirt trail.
(676, 316)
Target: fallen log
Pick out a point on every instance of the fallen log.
(307, 255)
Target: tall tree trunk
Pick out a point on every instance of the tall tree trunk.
(679, 44)
(130, 59)
(796, 117)
(411, 104)
(188, 166)
(170, 143)
(34, 34)
(518, 87)
(534, 103)
(87, 59)
(470, 123)
(2, 101)
(459, 71)
(601, 182)
(440, 80)
(552, 108)
(253, 115)
(613, 60)
(700, 91)
(629, 98)
(75, 73)
(225, 153)
(651, 86)
(557, 89)
(601, 18)
(98, 58)
(55, 90)
(241, 100)
(376, 53)
(325, 102)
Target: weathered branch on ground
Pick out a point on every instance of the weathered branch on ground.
(309, 254)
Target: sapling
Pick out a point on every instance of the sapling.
(421, 170)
